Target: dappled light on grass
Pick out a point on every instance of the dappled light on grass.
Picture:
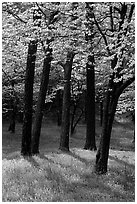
(55, 176)
(67, 177)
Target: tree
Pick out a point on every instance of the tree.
(64, 138)
(77, 99)
(59, 106)
(90, 92)
(118, 79)
(13, 63)
(28, 99)
(90, 103)
(41, 100)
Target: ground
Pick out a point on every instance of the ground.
(55, 176)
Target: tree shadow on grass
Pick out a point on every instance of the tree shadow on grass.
(76, 156)
(70, 153)
(121, 162)
(89, 188)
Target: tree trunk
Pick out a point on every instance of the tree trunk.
(59, 107)
(73, 125)
(72, 119)
(64, 138)
(28, 99)
(110, 105)
(103, 151)
(90, 98)
(12, 119)
(101, 112)
(41, 101)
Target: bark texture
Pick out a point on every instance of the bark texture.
(116, 86)
(59, 106)
(90, 103)
(110, 104)
(28, 99)
(64, 137)
(41, 101)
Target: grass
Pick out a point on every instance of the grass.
(55, 176)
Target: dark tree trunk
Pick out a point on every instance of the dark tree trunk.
(90, 98)
(115, 89)
(103, 151)
(12, 119)
(108, 117)
(28, 99)
(72, 128)
(113, 93)
(64, 138)
(74, 124)
(85, 104)
(59, 106)
(101, 112)
(133, 119)
(41, 101)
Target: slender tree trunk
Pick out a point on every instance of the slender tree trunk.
(103, 151)
(28, 99)
(64, 138)
(90, 131)
(59, 107)
(12, 116)
(74, 124)
(101, 112)
(41, 101)
(85, 105)
(72, 119)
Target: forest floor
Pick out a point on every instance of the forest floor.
(55, 176)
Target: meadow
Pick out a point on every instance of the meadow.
(55, 176)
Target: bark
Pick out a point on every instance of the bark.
(85, 104)
(101, 112)
(74, 124)
(12, 116)
(28, 99)
(72, 119)
(41, 101)
(90, 98)
(103, 151)
(110, 105)
(59, 107)
(114, 90)
(64, 137)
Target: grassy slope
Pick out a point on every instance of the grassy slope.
(57, 176)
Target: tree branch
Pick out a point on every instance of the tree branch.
(111, 19)
(131, 12)
(125, 85)
(41, 9)
(103, 35)
(15, 16)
